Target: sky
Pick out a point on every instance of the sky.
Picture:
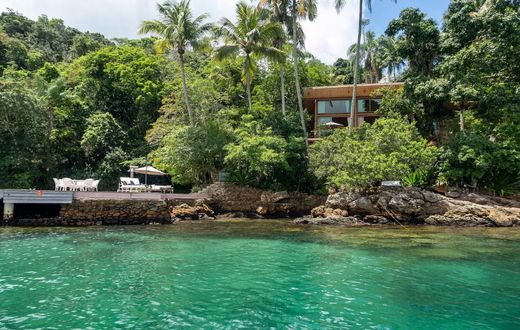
(328, 37)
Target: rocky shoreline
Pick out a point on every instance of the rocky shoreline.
(377, 206)
(412, 206)
(237, 201)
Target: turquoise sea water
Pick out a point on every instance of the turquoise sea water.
(259, 274)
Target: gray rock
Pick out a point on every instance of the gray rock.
(342, 221)
(414, 206)
(363, 205)
(468, 220)
(376, 219)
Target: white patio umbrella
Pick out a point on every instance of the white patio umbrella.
(332, 124)
(148, 170)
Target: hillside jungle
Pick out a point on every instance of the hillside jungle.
(76, 104)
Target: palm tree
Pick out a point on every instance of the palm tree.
(388, 56)
(339, 4)
(369, 56)
(292, 11)
(278, 14)
(301, 9)
(251, 36)
(281, 13)
(178, 30)
(371, 60)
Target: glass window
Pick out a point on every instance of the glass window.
(333, 106)
(374, 104)
(363, 105)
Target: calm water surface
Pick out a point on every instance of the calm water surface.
(259, 274)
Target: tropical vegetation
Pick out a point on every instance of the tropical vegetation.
(202, 100)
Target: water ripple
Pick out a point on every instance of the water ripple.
(258, 275)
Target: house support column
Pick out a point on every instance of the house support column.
(8, 213)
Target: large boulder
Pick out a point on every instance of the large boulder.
(411, 205)
(184, 212)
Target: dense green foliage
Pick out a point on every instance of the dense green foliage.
(191, 155)
(29, 44)
(389, 149)
(23, 132)
(461, 87)
(76, 104)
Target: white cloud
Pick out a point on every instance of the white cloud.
(327, 37)
(330, 35)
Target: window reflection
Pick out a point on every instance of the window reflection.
(345, 106)
(375, 104)
(363, 105)
(333, 106)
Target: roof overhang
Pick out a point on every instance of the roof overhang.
(345, 91)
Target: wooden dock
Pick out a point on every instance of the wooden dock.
(10, 197)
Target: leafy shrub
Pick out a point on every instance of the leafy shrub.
(478, 161)
(389, 149)
(269, 152)
(103, 134)
(191, 154)
(417, 178)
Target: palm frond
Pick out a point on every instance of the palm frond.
(226, 51)
(154, 26)
(176, 26)
(271, 53)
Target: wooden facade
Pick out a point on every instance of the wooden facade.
(331, 105)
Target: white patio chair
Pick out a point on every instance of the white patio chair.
(161, 188)
(124, 184)
(67, 184)
(58, 184)
(95, 185)
(87, 185)
(78, 185)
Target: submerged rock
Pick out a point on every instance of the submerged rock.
(344, 221)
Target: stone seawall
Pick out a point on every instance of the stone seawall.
(253, 202)
(119, 212)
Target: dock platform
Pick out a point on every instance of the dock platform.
(20, 196)
(11, 197)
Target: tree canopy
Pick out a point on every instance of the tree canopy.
(75, 104)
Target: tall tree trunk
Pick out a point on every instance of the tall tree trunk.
(50, 127)
(185, 87)
(282, 88)
(462, 121)
(248, 82)
(296, 74)
(354, 108)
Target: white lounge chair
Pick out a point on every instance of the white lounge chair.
(159, 188)
(130, 185)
